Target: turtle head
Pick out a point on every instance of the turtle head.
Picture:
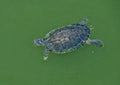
(39, 42)
(96, 42)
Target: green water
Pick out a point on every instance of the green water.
(22, 21)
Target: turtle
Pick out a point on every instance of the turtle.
(67, 39)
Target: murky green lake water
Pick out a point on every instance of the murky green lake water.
(22, 21)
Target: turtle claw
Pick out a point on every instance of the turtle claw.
(45, 58)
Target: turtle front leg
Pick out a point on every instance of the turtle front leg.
(98, 43)
(45, 57)
(84, 22)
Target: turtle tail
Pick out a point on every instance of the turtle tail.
(39, 42)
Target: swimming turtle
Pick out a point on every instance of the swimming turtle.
(67, 39)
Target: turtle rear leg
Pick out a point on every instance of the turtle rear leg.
(45, 57)
(98, 43)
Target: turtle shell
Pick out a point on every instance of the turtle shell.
(67, 38)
